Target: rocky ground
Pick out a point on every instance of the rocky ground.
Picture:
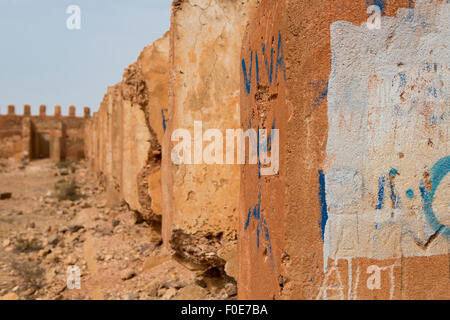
(53, 217)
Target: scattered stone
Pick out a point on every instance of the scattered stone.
(169, 294)
(101, 204)
(75, 228)
(6, 242)
(63, 229)
(53, 257)
(64, 172)
(131, 296)
(5, 196)
(53, 240)
(10, 296)
(31, 225)
(29, 292)
(128, 274)
(44, 252)
(192, 292)
(115, 222)
(176, 284)
(152, 287)
(230, 289)
(70, 261)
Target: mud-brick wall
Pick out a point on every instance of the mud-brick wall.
(201, 200)
(10, 136)
(124, 137)
(73, 137)
(359, 208)
(40, 136)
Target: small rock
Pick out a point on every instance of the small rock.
(230, 289)
(52, 257)
(63, 229)
(44, 252)
(75, 228)
(169, 294)
(70, 260)
(101, 204)
(29, 292)
(115, 222)
(152, 287)
(64, 172)
(192, 292)
(176, 284)
(5, 195)
(53, 240)
(128, 274)
(31, 225)
(10, 296)
(131, 296)
(86, 205)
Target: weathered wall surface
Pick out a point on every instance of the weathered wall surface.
(10, 136)
(125, 135)
(358, 210)
(201, 201)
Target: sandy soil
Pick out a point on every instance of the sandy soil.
(43, 236)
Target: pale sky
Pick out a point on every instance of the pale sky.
(43, 62)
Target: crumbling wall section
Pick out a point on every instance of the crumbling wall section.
(125, 135)
(200, 200)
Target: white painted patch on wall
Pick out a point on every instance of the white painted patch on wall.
(388, 108)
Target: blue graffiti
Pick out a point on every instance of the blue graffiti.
(395, 197)
(269, 70)
(323, 87)
(438, 173)
(261, 226)
(402, 81)
(410, 193)
(268, 62)
(247, 77)
(280, 57)
(257, 69)
(381, 184)
(380, 3)
(323, 203)
(164, 120)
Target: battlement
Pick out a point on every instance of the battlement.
(28, 136)
(11, 111)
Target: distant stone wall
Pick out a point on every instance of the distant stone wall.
(30, 136)
(10, 136)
